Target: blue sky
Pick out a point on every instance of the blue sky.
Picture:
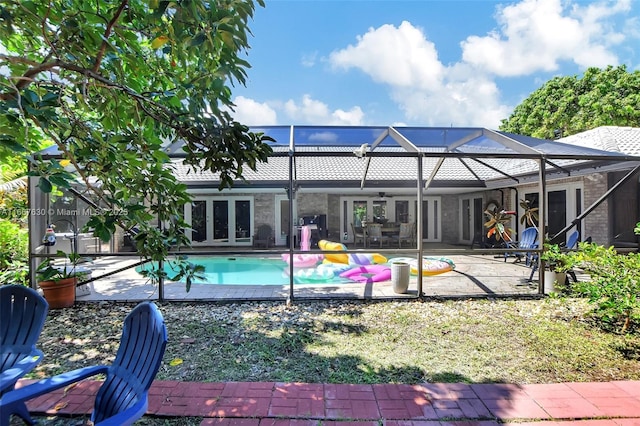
(421, 62)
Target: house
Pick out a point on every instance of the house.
(463, 170)
(442, 179)
(612, 223)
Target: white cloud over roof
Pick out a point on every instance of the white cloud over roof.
(530, 36)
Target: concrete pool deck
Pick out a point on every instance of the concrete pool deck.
(474, 276)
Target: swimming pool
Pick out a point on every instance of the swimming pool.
(248, 271)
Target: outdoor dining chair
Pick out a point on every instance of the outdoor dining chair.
(359, 235)
(405, 234)
(123, 396)
(374, 234)
(263, 236)
(22, 314)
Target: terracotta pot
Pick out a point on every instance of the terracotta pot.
(59, 294)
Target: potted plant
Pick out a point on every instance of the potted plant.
(557, 263)
(58, 282)
(497, 224)
(530, 214)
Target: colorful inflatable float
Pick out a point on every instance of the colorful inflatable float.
(433, 266)
(430, 265)
(368, 273)
(303, 260)
(349, 258)
(313, 275)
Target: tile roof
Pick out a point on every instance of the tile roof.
(608, 138)
(390, 170)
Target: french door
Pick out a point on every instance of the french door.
(431, 219)
(218, 221)
(283, 225)
(564, 204)
(472, 218)
(397, 209)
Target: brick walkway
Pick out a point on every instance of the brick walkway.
(296, 404)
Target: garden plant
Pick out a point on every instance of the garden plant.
(614, 284)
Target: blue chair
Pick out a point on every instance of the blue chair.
(528, 240)
(572, 241)
(572, 244)
(123, 396)
(22, 314)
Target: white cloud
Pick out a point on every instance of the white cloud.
(401, 57)
(535, 35)
(311, 111)
(251, 113)
(306, 111)
(469, 102)
(309, 60)
(532, 36)
(428, 92)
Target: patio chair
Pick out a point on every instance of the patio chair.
(359, 235)
(263, 236)
(572, 241)
(22, 314)
(572, 244)
(406, 233)
(528, 240)
(374, 234)
(123, 396)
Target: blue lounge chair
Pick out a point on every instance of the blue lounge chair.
(528, 240)
(572, 243)
(123, 396)
(22, 315)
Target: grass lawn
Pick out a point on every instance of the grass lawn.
(472, 341)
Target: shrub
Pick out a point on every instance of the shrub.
(614, 286)
(14, 253)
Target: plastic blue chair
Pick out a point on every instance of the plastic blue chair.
(22, 314)
(123, 396)
(572, 241)
(528, 240)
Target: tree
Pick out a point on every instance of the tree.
(567, 105)
(112, 84)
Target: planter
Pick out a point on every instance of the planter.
(59, 294)
(400, 273)
(550, 280)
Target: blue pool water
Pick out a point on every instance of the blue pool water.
(246, 271)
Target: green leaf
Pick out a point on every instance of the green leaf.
(60, 180)
(9, 142)
(44, 185)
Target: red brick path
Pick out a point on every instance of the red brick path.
(300, 404)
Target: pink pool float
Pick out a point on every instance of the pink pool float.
(368, 273)
(307, 260)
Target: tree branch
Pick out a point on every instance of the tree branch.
(27, 78)
(107, 33)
